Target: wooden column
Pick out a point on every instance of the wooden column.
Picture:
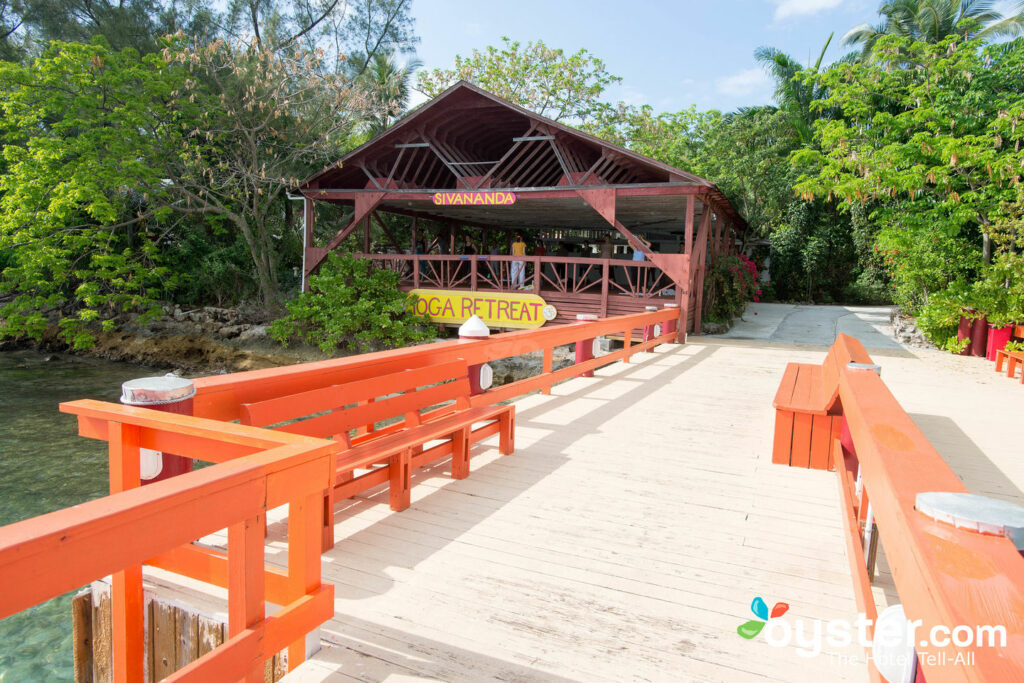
(415, 234)
(606, 272)
(688, 244)
(308, 216)
(701, 254)
(366, 235)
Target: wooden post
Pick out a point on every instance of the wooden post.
(245, 580)
(536, 274)
(688, 236)
(606, 271)
(127, 618)
(366, 235)
(81, 636)
(547, 365)
(473, 261)
(415, 234)
(304, 545)
(701, 254)
(308, 216)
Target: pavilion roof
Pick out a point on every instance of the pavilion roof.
(467, 139)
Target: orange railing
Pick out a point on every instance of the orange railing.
(46, 556)
(945, 576)
(255, 470)
(221, 396)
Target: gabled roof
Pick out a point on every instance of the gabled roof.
(468, 138)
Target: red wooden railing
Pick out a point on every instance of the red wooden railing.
(944, 576)
(220, 396)
(562, 279)
(46, 556)
(255, 470)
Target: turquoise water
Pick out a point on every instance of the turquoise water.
(44, 466)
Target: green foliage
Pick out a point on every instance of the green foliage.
(928, 146)
(938, 318)
(79, 243)
(1015, 346)
(543, 79)
(352, 305)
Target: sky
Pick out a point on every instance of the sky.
(670, 55)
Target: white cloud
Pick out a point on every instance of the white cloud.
(752, 84)
(796, 8)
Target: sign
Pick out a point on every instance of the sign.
(474, 198)
(496, 309)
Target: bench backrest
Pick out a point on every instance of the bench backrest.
(844, 350)
(364, 402)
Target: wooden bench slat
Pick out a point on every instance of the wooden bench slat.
(366, 454)
(341, 421)
(292, 406)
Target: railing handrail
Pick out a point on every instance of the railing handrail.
(59, 551)
(43, 557)
(220, 396)
(546, 258)
(944, 576)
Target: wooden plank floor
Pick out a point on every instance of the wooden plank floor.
(624, 540)
(627, 536)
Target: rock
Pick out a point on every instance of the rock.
(52, 357)
(229, 331)
(255, 332)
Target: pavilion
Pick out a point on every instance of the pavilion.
(468, 158)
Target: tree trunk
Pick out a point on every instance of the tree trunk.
(986, 248)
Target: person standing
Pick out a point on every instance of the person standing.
(606, 247)
(639, 255)
(518, 266)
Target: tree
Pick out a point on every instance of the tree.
(257, 122)
(793, 95)
(931, 21)
(79, 243)
(932, 148)
(542, 79)
(387, 86)
(351, 32)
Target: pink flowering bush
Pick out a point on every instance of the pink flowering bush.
(731, 282)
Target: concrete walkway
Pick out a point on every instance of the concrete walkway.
(814, 325)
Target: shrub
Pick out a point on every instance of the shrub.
(730, 283)
(352, 305)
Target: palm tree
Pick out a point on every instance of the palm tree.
(793, 96)
(388, 84)
(931, 21)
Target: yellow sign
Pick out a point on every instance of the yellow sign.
(474, 198)
(496, 309)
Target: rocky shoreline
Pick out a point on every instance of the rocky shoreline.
(211, 340)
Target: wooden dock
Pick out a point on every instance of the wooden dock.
(628, 534)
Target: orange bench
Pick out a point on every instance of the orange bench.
(1011, 358)
(429, 403)
(807, 411)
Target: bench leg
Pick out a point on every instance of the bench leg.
(460, 454)
(399, 479)
(1000, 358)
(1011, 366)
(507, 432)
(327, 532)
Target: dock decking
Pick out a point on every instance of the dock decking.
(628, 534)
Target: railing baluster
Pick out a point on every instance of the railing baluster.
(126, 597)
(245, 580)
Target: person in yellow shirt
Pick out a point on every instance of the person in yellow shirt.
(518, 267)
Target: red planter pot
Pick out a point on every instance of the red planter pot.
(979, 336)
(998, 338)
(963, 331)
